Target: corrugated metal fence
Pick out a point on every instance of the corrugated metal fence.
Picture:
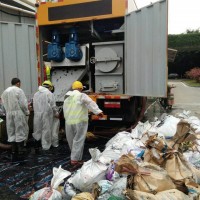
(18, 56)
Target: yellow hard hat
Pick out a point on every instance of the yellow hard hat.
(77, 85)
(47, 83)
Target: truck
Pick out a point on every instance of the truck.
(119, 55)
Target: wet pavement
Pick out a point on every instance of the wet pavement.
(31, 172)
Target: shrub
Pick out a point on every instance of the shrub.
(194, 73)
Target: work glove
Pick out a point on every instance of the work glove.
(100, 114)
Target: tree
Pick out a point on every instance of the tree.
(188, 31)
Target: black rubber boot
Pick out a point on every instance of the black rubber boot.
(14, 152)
(21, 148)
(37, 145)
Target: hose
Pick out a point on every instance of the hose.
(5, 146)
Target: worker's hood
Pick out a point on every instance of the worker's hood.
(42, 89)
(71, 93)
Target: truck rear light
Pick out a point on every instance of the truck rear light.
(111, 96)
(95, 117)
(112, 104)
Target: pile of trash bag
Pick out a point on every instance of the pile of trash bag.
(156, 160)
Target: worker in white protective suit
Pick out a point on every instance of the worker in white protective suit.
(17, 112)
(45, 112)
(75, 110)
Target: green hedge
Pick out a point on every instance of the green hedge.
(188, 56)
(189, 41)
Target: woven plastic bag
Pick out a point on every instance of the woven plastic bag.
(51, 193)
(91, 171)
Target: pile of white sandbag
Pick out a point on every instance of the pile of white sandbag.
(157, 160)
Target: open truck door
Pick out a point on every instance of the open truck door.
(146, 35)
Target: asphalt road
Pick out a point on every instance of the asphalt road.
(186, 98)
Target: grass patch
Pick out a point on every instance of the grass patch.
(191, 83)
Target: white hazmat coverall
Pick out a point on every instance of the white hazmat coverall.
(16, 106)
(75, 109)
(44, 112)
